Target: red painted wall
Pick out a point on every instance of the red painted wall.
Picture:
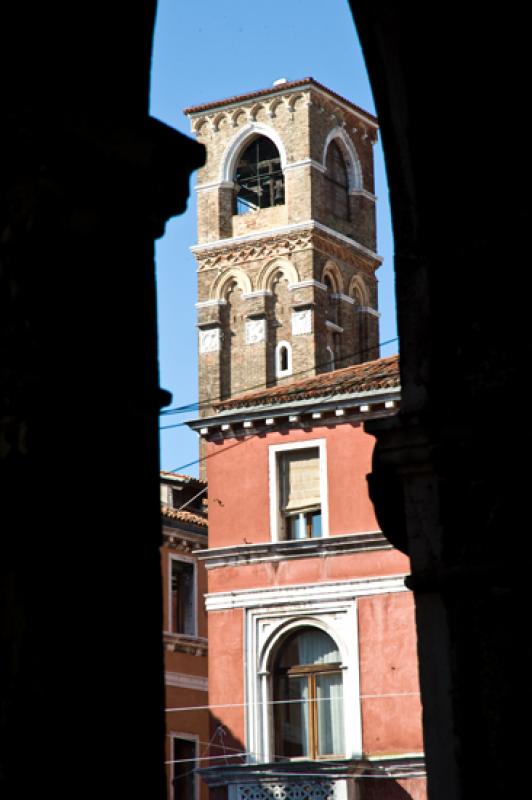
(238, 476)
(389, 688)
(308, 570)
(226, 673)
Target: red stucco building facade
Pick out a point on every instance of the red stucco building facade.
(333, 597)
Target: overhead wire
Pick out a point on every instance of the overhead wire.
(201, 459)
(198, 405)
(239, 753)
(281, 702)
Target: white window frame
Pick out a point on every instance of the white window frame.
(189, 737)
(275, 510)
(265, 628)
(281, 373)
(174, 557)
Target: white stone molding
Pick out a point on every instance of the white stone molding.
(368, 310)
(282, 373)
(305, 162)
(272, 269)
(209, 303)
(202, 187)
(301, 322)
(183, 681)
(305, 593)
(255, 331)
(265, 629)
(304, 284)
(235, 274)
(363, 193)
(344, 297)
(238, 142)
(333, 326)
(210, 340)
(285, 229)
(258, 293)
(352, 161)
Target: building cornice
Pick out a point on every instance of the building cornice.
(180, 643)
(183, 681)
(335, 409)
(280, 90)
(305, 593)
(243, 554)
(307, 225)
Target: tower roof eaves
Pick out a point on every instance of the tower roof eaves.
(279, 90)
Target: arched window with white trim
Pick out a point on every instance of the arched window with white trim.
(283, 359)
(308, 696)
(259, 180)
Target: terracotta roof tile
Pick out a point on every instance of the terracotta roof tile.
(273, 90)
(184, 516)
(182, 477)
(369, 376)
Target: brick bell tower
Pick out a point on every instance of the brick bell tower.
(286, 238)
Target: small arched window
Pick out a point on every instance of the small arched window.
(308, 688)
(338, 182)
(283, 359)
(259, 180)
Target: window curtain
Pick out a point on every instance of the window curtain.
(329, 691)
(292, 717)
(300, 471)
(316, 647)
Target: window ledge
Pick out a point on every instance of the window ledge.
(293, 548)
(183, 643)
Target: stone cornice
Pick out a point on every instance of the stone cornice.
(282, 241)
(298, 414)
(182, 680)
(239, 555)
(282, 92)
(301, 594)
(179, 643)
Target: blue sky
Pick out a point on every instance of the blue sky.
(209, 50)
